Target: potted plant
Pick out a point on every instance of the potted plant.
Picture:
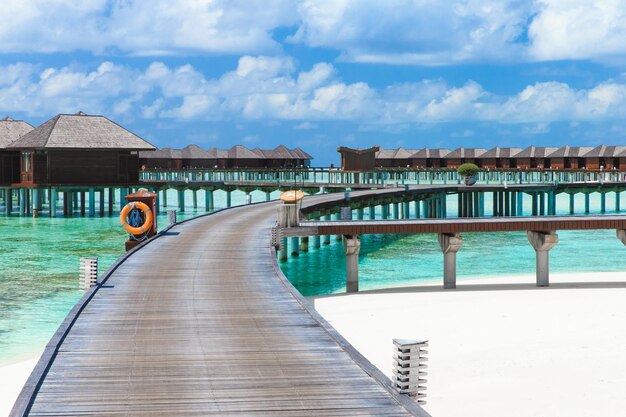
(469, 172)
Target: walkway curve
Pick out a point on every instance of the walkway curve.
(200, 321)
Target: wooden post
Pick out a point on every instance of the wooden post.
(101, 202)
(34, 203)
(326, 238)
(181, 200)
(304, 244)
(111, 200)
(22, 198)
(8, 201)
(92, 202)
(602, 202)
(295, 246)
(53, 202)
(337, 217)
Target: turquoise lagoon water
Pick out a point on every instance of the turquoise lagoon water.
(39, 269)
(39, 260)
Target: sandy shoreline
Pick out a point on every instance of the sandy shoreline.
(13, 376)
(500, 346)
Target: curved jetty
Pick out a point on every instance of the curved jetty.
(198, 322)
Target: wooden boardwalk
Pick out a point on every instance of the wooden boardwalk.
(457, 225)
(200, 322)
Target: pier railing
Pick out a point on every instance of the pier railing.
(380, 176)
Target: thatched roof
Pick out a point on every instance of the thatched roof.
(428, 153)
(570, 151)
(399, 153)
(165, 153)
(215, 153)
(355, 151)
(80, 131)
(498, 152)
(536, 152)
(300, 154)
(259, 152)
(280, 152)
(241, 152)
(385, 153)
(459, 153)
(604, 151)
(402, 153)
(194, 152)
(11, 130)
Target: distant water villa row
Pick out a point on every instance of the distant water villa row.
(75, 149)
(192, 156)
(532, 157)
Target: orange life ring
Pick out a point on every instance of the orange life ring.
(145, 227)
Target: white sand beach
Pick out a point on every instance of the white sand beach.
(500, 346)
(12, 378)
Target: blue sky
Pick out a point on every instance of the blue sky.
(318, 74)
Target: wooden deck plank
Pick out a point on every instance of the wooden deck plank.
(199, 323)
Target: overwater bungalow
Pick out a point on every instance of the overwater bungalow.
(241, 157)
(358, 159)
(463, 155)
(534, 157)
(394, 158)
(569, 157)
(194, 156)
(430, 158)
(10, 131)
(166, 158)
(79, 149)
(237, 157)
(500, 158)
(606, 157)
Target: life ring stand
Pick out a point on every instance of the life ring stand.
(147, 224)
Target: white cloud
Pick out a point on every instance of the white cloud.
(270, 89)
(578, 29)
(144, 27)
(431, 32)
(419, 32)
(426, 32)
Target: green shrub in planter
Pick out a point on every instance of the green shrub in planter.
(468, 170)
